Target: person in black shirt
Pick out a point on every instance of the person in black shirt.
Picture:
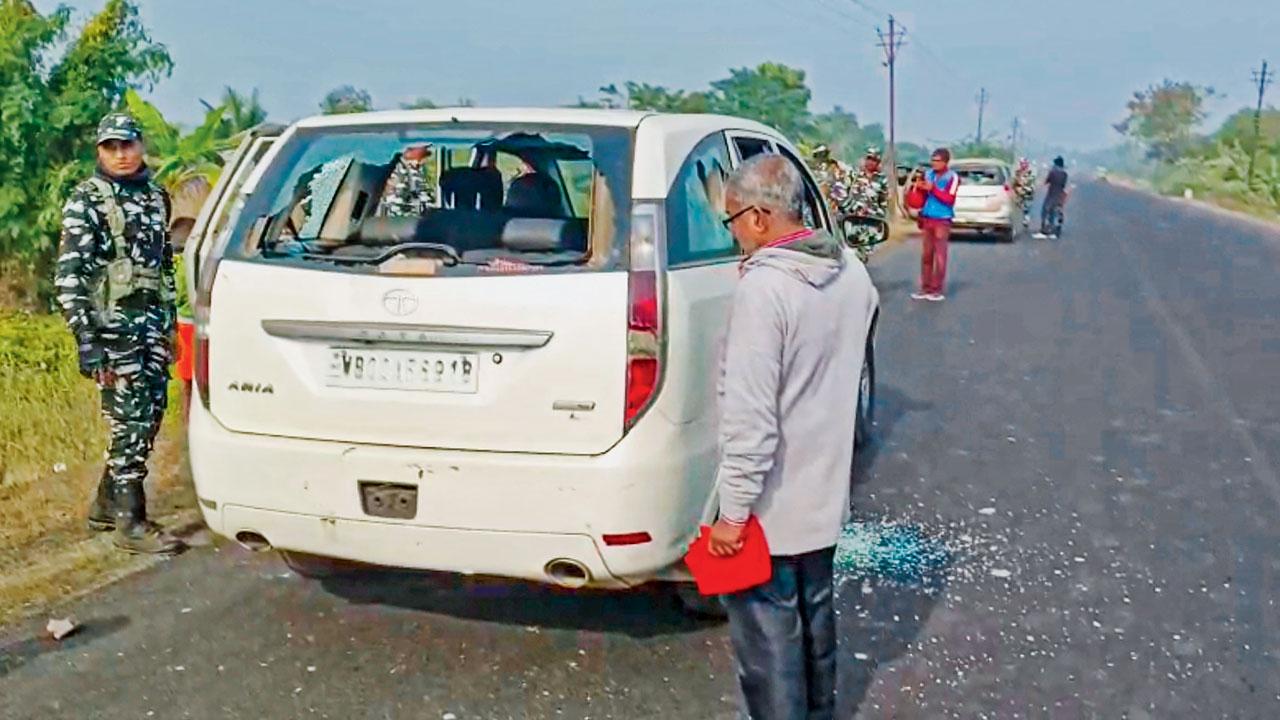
(1054, 200)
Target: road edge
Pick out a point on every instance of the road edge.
(1206, 206)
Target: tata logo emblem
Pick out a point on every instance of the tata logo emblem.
(400, 302)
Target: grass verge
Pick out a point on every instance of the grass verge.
(52, 440)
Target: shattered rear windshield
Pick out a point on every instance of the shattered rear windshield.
(444, 198)
(984, 175)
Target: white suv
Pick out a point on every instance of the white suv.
(515, 378)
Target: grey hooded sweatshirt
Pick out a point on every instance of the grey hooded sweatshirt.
(789, 389)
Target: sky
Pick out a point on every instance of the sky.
(1065, 68)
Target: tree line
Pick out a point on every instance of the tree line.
(1167, 146)
(57, 81)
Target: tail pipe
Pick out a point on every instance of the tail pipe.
(252, 541)
(567, 573)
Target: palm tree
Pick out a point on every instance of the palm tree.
(187, 165)
(243, 112)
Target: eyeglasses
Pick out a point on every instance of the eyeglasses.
(727, 222)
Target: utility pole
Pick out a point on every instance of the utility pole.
(891, 43)
(982, 106)
(1013, 139)
(1263, 79)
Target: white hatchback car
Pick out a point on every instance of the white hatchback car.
(985, 201)
(517, 377)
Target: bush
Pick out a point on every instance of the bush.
(1221, 173)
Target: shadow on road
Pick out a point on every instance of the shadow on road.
(891, 289)
(978, 237)
(891, 406)
(876, 629)
(879, 626)
(645, 612)
(20, 652)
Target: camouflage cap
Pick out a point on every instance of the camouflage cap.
(872, 152)
(822, 152)
(118, 126)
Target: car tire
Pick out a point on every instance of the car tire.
(696, 605)
(862, 432)
(315, 567)
(1006, 235)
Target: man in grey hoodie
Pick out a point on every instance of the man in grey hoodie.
(788, 402)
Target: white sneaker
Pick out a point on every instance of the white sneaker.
(920, 296)
(1040, 236)
(936, 297)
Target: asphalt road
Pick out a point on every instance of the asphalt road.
(1089, 427)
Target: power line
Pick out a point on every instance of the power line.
(836, 8)
(1262, 79)
(868, 7)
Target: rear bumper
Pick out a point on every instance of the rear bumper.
(997, 219)
(501, 514)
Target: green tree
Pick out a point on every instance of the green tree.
(971, 149)
(771, 93)
(422, 103)
(54, 87)
(643, 96)
(1164, 118)
(1239, 128)
(839, 130)
(176, 159)
(912, 154)
(240, 112)
(346, 99)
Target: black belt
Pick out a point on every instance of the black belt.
(139, 300)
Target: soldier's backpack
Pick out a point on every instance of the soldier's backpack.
(122, 278)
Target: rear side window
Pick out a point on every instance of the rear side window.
(749, 147)
(451, 198)
(695, 206)
(812, 196)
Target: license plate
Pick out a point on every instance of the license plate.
(403, 370)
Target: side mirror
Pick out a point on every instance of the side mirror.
(850, 223)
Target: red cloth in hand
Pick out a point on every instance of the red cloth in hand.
(749, 567)
(916, 198)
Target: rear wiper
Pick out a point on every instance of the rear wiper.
(451, 255)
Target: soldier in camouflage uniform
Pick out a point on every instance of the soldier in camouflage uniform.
(833, 178)
(409, 193)
(1024, 188)
(115, 284)
(868, 198)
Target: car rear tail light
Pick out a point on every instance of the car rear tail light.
(201, 370)
(202, 305)
(644, 311)
(635, 538)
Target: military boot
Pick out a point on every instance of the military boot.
(102, 513)
(135, 533)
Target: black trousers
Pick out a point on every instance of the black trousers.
(784, 636)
